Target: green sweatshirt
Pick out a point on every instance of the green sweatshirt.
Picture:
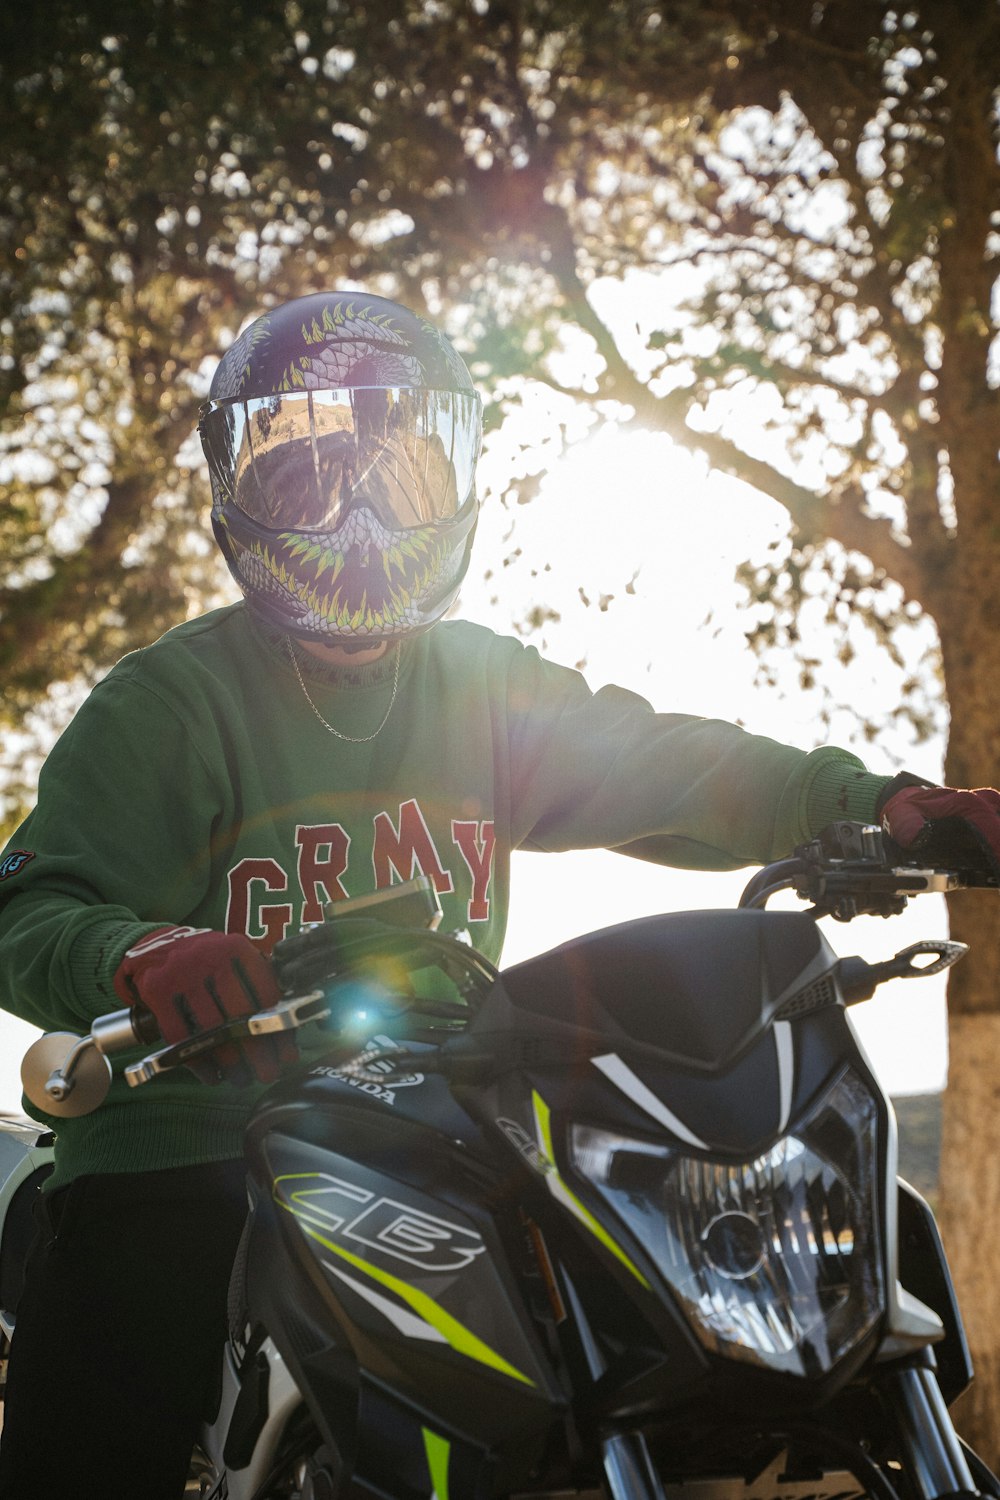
(197, 785)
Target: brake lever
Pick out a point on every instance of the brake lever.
(853, 892)
(855, 869)
(287, 1015)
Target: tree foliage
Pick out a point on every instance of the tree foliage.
(822, 179)
(168, 173)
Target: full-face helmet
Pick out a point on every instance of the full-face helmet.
(342, 433)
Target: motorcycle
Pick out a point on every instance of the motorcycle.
(622, 1220)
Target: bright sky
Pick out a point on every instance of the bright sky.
(638, 524)
(638, 513)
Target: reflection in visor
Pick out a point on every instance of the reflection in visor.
(300, 461)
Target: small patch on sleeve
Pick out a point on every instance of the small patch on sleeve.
(13, 861)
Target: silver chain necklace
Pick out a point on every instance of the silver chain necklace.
(353, 739)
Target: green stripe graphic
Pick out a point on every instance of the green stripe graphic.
(461, 1339)
(543, 1119)
(438, 1451)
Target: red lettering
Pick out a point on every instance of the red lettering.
(271, 922)
(476, 842)
(408, 852)
(315, 872)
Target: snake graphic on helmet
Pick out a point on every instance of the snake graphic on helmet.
(342, 433)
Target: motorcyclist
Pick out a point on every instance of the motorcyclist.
(330, 734)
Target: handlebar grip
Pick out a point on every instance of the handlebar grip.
(144, 1024)
(122, 1030)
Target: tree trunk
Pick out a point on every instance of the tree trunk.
(970, 1151)
(970, 1205)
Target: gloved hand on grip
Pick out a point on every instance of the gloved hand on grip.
(945, 822)
(193, 979)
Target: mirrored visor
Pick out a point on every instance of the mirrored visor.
(298, 462)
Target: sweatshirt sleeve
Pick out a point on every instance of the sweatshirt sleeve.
(114, 849)
(603, 770)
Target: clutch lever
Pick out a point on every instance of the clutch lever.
(287, 1015)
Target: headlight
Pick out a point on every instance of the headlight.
(775, 1260)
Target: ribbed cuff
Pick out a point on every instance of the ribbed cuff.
(842, 788)
(94, 958)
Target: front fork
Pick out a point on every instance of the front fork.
(931, 1452)
(629, 1473)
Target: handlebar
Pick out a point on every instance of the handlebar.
(68, 1075)
(854, 869)
(848, 870)
(376, 942)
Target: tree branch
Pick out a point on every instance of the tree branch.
(813, 515)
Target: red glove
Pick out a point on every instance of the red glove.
(193, 979)
(945, 822)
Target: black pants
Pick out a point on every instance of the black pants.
(119, 1334)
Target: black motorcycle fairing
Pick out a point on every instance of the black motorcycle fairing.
(398, 1236)
(735, 1111)
(420, 1098)
(283, 1296)
(396, 1448)
(923, 1271)
(647, 981)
